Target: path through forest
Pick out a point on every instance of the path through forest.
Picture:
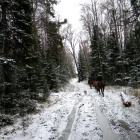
(73, 114)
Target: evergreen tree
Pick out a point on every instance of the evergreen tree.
(112, 54)
(53, 56)
(132, 56)
(81, 66)
(51, 44)
(97, 51)
(17, 42)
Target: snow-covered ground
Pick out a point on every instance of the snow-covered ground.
(80, 113)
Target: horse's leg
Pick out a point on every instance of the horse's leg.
(91, 86)
(96, 88)
(103, 91)
(99, 90)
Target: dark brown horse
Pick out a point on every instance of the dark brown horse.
(90, 82)
(99, 86)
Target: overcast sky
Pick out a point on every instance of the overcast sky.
(70, 9)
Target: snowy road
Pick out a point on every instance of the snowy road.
(73, 115)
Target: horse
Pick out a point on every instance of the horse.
(99, 86)
(90, 82)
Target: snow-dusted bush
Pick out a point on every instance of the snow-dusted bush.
(5, 120)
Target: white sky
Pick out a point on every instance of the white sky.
(70, 9)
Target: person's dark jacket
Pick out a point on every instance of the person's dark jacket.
(99, 78)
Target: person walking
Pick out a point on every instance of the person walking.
(99, 77)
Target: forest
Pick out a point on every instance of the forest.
(38, 51)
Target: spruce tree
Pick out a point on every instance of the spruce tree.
(53, 55)
(81, 66)
(17, 43)
(112, 54)
(132, 56)
(97, 52)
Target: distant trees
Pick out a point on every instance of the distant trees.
(96, 53)
(81, 66)
(113, 28)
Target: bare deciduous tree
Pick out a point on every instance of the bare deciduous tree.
(84, 46)
(71, 42)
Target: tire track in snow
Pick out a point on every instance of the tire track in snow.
(112, 110)
(71, 117)
(107, 132)
(86, 126)
(65, 133)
